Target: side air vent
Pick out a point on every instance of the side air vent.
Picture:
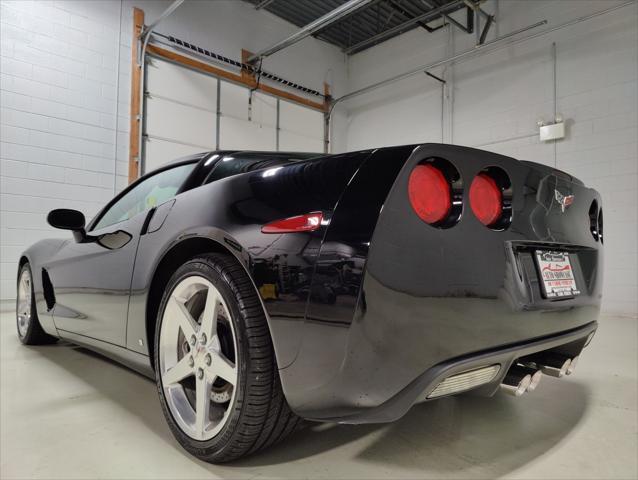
(49, 295)
(600, 225)
(593, 220)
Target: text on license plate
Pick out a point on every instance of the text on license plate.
(556, 274)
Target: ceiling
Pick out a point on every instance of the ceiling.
(366, 26)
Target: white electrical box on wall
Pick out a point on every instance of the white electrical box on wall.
(555, 131)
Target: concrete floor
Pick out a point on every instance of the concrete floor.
(68, 413)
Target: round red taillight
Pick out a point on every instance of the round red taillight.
(486, 199)
(429, 193)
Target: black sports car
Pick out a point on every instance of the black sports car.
(261, 288)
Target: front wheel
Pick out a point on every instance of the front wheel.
(30, 331)
(215, 367)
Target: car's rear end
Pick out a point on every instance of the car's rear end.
(480, 271)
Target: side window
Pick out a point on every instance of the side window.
(151, 192)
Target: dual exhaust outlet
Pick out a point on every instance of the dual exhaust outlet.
(525, 376)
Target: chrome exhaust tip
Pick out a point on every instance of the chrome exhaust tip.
(536, 379)
(514, 383)
(520, 371)
(557, 371)
(572, 365)
(554, 365)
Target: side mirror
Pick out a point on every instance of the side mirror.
(67, 219)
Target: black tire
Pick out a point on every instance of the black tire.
(259, 415)
(34, 335)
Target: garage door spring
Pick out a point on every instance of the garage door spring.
(256, 71)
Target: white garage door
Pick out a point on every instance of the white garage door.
(183, 109)
(300, 128)
(180, 113)
(244, 124)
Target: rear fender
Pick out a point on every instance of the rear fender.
(338, 275)
(280, 266)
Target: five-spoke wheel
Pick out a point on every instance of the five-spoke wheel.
(197, 357)
(215, 365)
(30, 332)
(24, 301)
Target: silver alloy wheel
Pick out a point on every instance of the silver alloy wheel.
(23, 310)
(198, 358)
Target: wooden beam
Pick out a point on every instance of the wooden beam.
(233, 77)
(291, 96)
(326, 96)
(245, 74)
(136, 79)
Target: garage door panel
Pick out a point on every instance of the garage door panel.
(182, 114)
(178, 83)
(264, 109)
(159, 152)
(293, 142)
(301, 120)
(179, 122)
(245, 135)
(233, 101)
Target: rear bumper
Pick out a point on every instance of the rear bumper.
(569, 343)
(430, 296)
(399, 347)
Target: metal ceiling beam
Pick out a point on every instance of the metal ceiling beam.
(449, 19)
(486, 29)
(423, 68)
(477, 6)
(263, 4)
(313, 27)
(147, 31)
(397, 7)
(171, 8)
(313, 9)
(401, 27)
(497, 44)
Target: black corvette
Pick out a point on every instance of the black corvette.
(261, 288)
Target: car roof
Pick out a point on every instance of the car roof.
(246, 154)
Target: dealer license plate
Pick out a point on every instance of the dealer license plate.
(556, 274)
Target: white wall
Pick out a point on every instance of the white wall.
(65, 90)
(494, 101)
(59, 91)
